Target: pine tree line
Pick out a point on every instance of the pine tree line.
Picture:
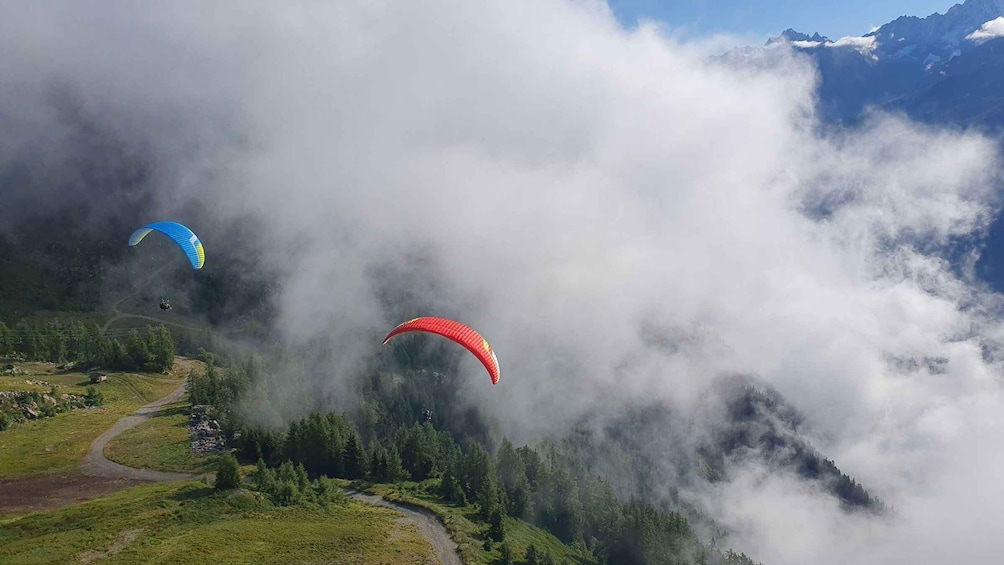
(222, 384)
(152, 350)
(579, 508)
(405, 430)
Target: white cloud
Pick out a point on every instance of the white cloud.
(864, 45)
(989, 30)
(568, 180)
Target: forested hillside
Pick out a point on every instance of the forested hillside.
(316, 240)
(392, 438)
(408, 429)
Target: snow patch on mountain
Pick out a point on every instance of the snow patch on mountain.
(928, 43)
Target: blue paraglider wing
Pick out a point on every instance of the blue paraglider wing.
(184, 237)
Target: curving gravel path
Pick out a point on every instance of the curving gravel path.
(97, 465)
(427, 522)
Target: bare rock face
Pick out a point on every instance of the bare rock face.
(206, 434)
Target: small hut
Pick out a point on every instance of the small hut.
(98, 378)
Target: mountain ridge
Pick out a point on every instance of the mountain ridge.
(926, 68)
(944, 70)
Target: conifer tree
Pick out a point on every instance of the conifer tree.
(373, 472)
(27, 340)
(354, 461)
(496, 525)
(264, 478)
(395, 469)
(167, 348)
(138, 351)
(6, 341)
(227, 473)
(531, 557)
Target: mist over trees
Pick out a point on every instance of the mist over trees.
(541, 487)
(547, 164)
(392, 439)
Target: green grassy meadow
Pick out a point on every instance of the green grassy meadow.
(189, 523)
(160, 443)
(58, 444)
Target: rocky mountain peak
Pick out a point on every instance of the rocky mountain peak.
(789, 35)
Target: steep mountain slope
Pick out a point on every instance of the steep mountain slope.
(742, 422)
(970, 92)
(944, 68)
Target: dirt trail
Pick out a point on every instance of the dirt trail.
(45, 492)
(119, 314)
(96, 476)
(97, 465)
(122, 315)
(428, 526)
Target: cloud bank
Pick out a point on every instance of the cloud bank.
(565, 185)
(989, 30)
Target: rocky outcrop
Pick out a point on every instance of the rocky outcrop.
(206, 434)
(21, 406)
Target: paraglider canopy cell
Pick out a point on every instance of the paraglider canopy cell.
(457, 332)
(179, 234)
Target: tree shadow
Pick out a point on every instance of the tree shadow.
(87, 382)
(172, 411)
(193, 493)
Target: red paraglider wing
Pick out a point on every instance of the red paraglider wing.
(457, 332)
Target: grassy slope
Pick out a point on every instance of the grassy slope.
(161, 443)
(58, 444)
(465, 529)
(187, 523)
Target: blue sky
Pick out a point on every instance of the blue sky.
(833, 18)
